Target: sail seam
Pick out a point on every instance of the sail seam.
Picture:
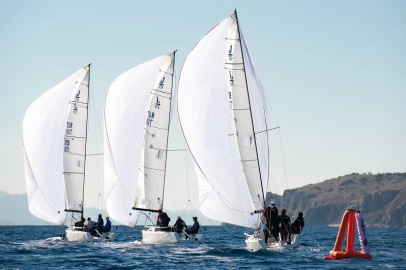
(75, 137)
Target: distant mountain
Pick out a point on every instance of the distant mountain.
(14, 211)
(381, 198)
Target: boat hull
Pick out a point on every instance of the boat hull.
(81, 236)
(152, 235)
(255, 242)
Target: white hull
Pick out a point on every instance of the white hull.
(150, 235)
(257, 242)
(81, 236)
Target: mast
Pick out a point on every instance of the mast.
(167, 137)
(249, 101)
(87, 127)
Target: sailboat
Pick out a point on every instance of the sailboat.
(137, 115)
(224, 119)
(54, 143)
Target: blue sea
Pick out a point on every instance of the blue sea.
(26, 247)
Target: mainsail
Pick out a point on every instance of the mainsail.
(54, 142)
(137, 116)
(224, 120)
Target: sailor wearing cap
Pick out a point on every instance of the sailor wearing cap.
(195, 227)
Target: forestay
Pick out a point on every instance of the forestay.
(136, 115)
(54, 139)
(224, 120)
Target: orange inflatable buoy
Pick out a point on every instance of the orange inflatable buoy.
(348, 223)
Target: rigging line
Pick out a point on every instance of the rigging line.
(97, 154)
(238, 211)
(273, 182)
(270, 106)
(267, 130)
(90, 182)
(280, 135)
(151, 168)
(148, 132)
(172, 150)
(97, 128)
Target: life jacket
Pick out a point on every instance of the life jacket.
(164, 219)
(266, 211)
(274, 216)
(179, 225)
(284, 219)
(79, 224)
(298, 225)
(195, 227)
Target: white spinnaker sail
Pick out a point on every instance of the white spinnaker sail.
(127, 110)
(212, 87)
(44, 129)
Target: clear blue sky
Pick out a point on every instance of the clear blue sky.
(334, 73)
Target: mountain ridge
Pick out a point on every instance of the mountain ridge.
(380, 197)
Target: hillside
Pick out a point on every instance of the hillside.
(381, 198)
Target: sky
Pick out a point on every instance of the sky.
(333, 72)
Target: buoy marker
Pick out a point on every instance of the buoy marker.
(350, 218)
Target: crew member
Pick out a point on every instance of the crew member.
(285, 225)
(298, 224)
(179, 225)
(195, 228)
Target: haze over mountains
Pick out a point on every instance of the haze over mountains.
(381, 198)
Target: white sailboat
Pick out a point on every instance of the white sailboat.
(54, 142)
(224, 119)
(137, 116)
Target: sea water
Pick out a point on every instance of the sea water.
(26, 247)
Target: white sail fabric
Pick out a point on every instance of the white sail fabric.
(212, 96)
(260, 116)
(44, 128)
(241, 111)
(130, 105)
(75, 144)
(151, 179)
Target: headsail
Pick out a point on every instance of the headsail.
(54, 139)
(74, 158)
(222, 113)
(151, 178)
(137, 115)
